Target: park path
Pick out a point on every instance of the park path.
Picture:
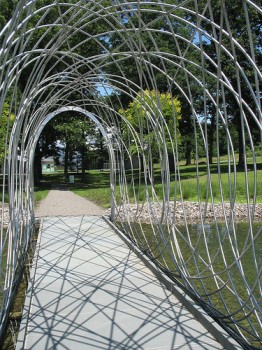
(88, 290)
(61, 202)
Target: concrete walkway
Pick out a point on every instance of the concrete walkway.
(64, 203)
(89, 291)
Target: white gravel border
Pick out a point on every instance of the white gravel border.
(67, 203)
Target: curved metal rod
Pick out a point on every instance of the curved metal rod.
(125, 54)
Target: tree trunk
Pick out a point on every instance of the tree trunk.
(240, 145)
(188, 151)
(37, 170)
(171, 161)
(83, 162)
(37, 166)
(211, 140)
(66, 161)
(101, 152)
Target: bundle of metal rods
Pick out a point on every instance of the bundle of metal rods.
(166, 83)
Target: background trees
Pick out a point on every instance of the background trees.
(70, 134)
(242, 23)
(177, 71)
(146, 113)
(6, 123)
(52, 34)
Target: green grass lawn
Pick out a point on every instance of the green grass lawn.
(95, 186)
(40, 193)
(189, 187)
(185, 184)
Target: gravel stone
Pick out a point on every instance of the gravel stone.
(190, 212)
(66, 203)
(4, 213)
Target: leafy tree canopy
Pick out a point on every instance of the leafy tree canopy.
(148, 111)
(6, 123)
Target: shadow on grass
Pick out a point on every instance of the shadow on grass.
(92, 179)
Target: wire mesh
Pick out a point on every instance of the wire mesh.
(166, 82)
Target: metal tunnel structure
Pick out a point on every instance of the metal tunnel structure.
(165, 81)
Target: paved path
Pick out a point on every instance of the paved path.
(64, 203)
(89, 291)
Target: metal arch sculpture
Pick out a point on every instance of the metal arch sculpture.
(35, 135)
(102, 55)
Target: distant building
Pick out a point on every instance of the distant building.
(48, 165)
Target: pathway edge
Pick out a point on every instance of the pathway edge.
(219, 333)
(21, 340)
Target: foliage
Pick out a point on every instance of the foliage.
(72, 129)
(150, 111)
(6, 122)
(169, 38)
(6, 10)
(147, 16)
(245, 28)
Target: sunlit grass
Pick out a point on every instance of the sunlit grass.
(100, 196)
(40, 194)
(188, 182)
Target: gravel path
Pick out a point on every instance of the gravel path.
(66, 203)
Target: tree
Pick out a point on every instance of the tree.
(155, 116)
(6, 11)
(46, 146)
(6, 123)
(242, 23)
(138, 49)
(159, 29)
(44, 30)
(73, 130)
